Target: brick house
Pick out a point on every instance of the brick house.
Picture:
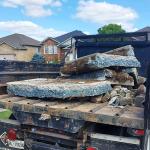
(50, 50)
(54, 49)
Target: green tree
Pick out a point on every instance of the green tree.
(111, 29)
(38, 58)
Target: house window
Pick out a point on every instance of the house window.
(46, 49)
(52, 49)
(55, 49)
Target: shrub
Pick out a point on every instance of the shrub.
(38, 58)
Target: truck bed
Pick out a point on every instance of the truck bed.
(128, 116)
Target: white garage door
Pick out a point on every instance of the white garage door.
(7, 57)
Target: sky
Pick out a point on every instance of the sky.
(50, 18)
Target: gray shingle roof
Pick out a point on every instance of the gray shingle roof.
(18, 41)
(145, 29)
(64, 37)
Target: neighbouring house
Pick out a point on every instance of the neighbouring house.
(66, 42)
(18, 47)
(145, 29)
(50, 50)
(54, 49)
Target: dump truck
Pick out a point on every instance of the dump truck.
(37, 123)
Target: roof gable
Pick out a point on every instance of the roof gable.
(50, 38)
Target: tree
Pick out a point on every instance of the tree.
(111, 29)
(38, 58)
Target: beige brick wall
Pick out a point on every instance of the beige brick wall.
(21, 55)
(25, 55)
(5, 49)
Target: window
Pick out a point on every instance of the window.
(46, 49)
(52, 49)
(55, 49)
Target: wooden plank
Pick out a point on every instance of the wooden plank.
(27, 72)
(43, 106)
(99, 107)
(133, 116)
(135, 112)
(3, 89)
(100, 113)
(109, 111)
(8, 102)
(25, 104)
(45, 103)
(105, 115)
(87, 107)
(66, 105)
(4, 96)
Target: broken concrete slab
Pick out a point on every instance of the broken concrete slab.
(141, 80)
(119, 78)
(123, 51)
(121, 96)
(114, 77)
(58, 88)
(132, 72)
(94, 75)
(141, 90)
(99, 61)
(101, 99)
(139, 100)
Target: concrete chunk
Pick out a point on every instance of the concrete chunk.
(58, 88)
(94, 75)
(114, 77)
(123, 51)
(98, 61)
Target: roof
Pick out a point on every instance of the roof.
(145, 29)
(53, 39)
(18, 41)
(66, 36)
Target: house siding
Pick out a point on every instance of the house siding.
(20, 55)
(52, 57)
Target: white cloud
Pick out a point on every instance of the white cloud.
(34, 8)
(28, 28)
(104, 13)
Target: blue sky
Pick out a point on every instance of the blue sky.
(42, 18)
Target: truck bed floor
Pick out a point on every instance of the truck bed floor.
(128, 116)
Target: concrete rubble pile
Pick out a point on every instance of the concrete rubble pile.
(101, 77)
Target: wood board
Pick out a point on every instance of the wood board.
(132, 117)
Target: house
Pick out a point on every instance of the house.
(145, 29)
(50, 50)
(18, 47)
(55, 49)
(66, 42)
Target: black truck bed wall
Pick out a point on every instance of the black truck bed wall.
(141, 46)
